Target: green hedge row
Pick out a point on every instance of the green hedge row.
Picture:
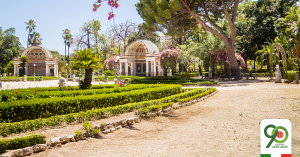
(189, 81)
(153, 108)
(291, 75)
(30, 125)
(263, 74)
(21, 142)
(69, 88)
(198, 95)
(185, 74)
(26, 94)
(42, 108)
(30, 78)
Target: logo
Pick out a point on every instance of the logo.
(275, 138)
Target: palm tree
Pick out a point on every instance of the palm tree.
(23, 61)
(31, 26)
(34, 39)
(87, 60)
(66, 32)
(69, 42)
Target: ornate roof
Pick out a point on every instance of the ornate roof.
(149, 46)
(39, 48)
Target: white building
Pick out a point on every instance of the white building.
(164, 39)
(45, 64)
(141, 59)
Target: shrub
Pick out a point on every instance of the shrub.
(16, 127)
(41, 108)
(21, 142)
(30, 94)
(291, 75)
(109, 73)
(185, 74)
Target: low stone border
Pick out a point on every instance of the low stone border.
(104, 127)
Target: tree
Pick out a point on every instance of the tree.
(256, 24)
(206, 13)
(10, 47)
(30, 26)
(23, 61)
(168, 60)
(10, 67)
(89, 37)
(122, 31)
(142, 35)
(35, 39)
(66, 36)
(87, 60)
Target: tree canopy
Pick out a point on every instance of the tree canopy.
(10, 47)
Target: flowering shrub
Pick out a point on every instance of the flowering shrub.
(241, 59)
(110, 62)
(168, 58)
(111, 3)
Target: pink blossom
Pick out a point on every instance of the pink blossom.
(16, 92)
(35, 91)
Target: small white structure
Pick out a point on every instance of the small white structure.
(45, 64)
(141, 59)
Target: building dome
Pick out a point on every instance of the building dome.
(141, 47)
(37, 52)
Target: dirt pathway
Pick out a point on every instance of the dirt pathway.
(227, 124)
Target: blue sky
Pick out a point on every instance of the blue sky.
(53, 16)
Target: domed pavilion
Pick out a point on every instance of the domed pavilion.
(141, 59)
(40, 59)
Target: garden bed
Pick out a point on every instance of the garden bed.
(173, 80)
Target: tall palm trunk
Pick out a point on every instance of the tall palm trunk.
(28, 38)
(65, 51)
(87, 78)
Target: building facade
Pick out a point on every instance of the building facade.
(41, 62)
(141, 59)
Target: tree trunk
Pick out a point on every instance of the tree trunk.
(233, 62)
(65, 51)
(28, 38)
(180, 67)
(87, 78)
(254, 64)
(200, 70)
(68, 55)
(165, 72)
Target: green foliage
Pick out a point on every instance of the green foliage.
(291, 75)
(16, 127)
(10, 47)
(91, 132)
(21, 142)
(41, 108)
(173, 80)
(78, 134)
(10, 67)
(35, 39)
(109, 73)
(66, 92)
(23, 61)
(186, 74)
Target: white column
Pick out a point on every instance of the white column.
(47, 69)
(15, 70)
(131, 68)
(126, 68)
(120, 68)
(151, 63)
(159, 69)
(147, 71)
(56, 70)
(26, 69)
(154, 70)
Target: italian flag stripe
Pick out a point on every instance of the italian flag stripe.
(269, 155)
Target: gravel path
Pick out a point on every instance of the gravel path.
(227, 124)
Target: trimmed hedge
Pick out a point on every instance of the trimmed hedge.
(185, 74)
(198, 95)
(153, 108)
(26, 94)
(16, 127)
(42, 108)
(263, 74)
(21, 142)
(188, 82)
(291, 75)
(30, 78)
